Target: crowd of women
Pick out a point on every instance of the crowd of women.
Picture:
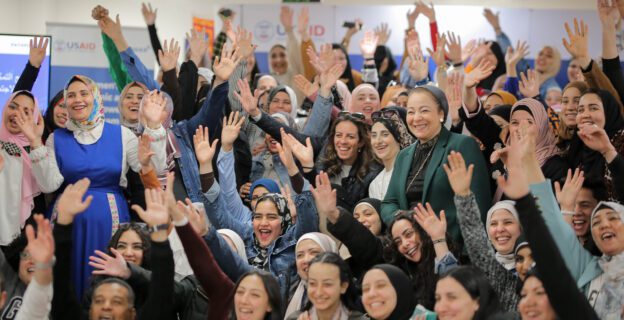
(486, 190)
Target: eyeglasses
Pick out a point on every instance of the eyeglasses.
(24, 255)
(349, 115)
(384, 114)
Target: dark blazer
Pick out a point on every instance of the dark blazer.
(437, 190)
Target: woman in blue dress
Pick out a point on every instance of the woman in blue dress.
(102, 152)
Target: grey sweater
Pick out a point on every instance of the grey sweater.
(481, 253)
(14, 288)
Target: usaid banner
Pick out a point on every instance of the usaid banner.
(77, 49)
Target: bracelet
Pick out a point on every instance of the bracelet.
(567, 213)
(439, 241)
(45, 265)
(309, 168)
(369, 59)
(457, 65)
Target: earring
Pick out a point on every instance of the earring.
(441, 119)
(359, 150)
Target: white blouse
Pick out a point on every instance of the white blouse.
(49, 178)
(10, 197)
(378, 187)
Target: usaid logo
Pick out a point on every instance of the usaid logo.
(61, 45)
(264, 31)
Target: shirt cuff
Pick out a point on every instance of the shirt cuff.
(180, 223)
(473, 114)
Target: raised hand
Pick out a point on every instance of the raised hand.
(458, 175)
(114, 266)
(145, 152)
(308, 88)
(286, 18)
(608, 13)
(353, 30)
(111, 28)
(438, 55)
(329, 78)
(247, 100)
(427, 219)
(245, 47)
(156, 212)
(529, 84)
(412, 40)
(70, 202)
(196, 218)
(231, 128)
(577, 45)
(454, 48)
(31, 129)
(518, 155)
(197, 45)
(37, 52)
(149, 14)
(169, 54)
(304, 21)
(493, 19)
(427, 10)
(285, 153)
(303, 153)
(412, 15)
(99, 12)
(204, 151)
(368, 44)
(152, 107)
(453, 91)
(566, 196)
(418, 66)
(481, 50)
(228, 29)
(290, 203)
(40, 246)
(482, 71)
(513, 56)
(383, 34)
(325, 197)
(468, 49)
(323, 61)
(225, 65)
(596, 138)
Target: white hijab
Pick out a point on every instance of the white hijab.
(506, 260)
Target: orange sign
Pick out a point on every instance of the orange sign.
(207, 26)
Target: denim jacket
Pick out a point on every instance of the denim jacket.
(258, 168)
(137, 70)
(281, 252)
(184, 131)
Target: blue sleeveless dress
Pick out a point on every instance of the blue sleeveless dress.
(101, 162)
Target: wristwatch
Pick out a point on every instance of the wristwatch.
(158, 227)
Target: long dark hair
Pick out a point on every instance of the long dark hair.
(143, 235)
(347, 73)
(500, 69)
(350, 297)
(272, 289)
(333, 164)
(477, 285)
(422, 273)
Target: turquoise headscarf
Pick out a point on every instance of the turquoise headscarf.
(97, 114)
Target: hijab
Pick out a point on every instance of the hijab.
(96, 117)
(507, 97)
(500, 69)
(30, 188)
(374, 204)
(237, 240)
(609, 303)
(404, 292)
(546, 142)
(344, 93)
(327, 245)
(261, 259)
(135, 127)
(267, 183)
(503, 111)
(589, 160)
(356, 91)
(507, 260)
(397, 125)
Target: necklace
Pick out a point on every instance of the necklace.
(422, 165)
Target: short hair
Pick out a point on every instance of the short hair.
(118, 281)
(474, 281)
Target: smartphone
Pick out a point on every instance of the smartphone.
(350, 24)
(226, 13)
(421, 311)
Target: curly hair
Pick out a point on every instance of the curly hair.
(421, 273)
(333, 164)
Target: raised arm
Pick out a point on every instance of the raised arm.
(36, 54)
(149, 15)
(168, 61)
(609, 16)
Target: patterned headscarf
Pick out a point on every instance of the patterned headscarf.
(97, 114)
(282, 208)
(546, 142)
(134, 126)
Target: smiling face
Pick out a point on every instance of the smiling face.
(492, 101)
(503, 231)
(553, 97)
(26, 267)
(251, 301)
(278, 61)
(325, 287)
(271, 144)
(340, 59)
(347, 142)
(369, 217)
(60, 115)
(20, 103)
(453, 302)
(585, 204)
(524, 261)
(423, 116)
(266, 83)
(267, 223)
(365, 101)
(590, 111)
(574, 71)
(378, 295)
(131, 247)
(79, 101)
(130, 104)
(534, 303)
(519, 117)
(383, 143)
(304, 253)
(569, 106)
(608, 231)
(545, 58)
(407, 240)
(110, 301)
(281, 103)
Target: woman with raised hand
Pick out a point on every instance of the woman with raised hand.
(89, 147)
(418, 176)
(331, 291)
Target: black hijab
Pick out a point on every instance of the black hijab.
(589, 160)
(500, 69)
(381, 53)
(347, 74)
(376, 204)
(404, 292)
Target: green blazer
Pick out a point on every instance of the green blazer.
(437, 190)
